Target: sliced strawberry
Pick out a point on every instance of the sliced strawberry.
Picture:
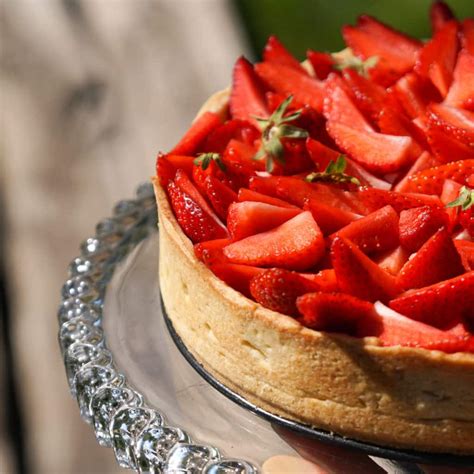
(325, 279)
(164, 170)
(442, 305)
(250, 218)
(423, 162)
(195, 136)
(376, 232)
(287, 80)
(183, 162)
(466, 219)
(210, 252)
(196, 223)
(320, 153)
(241, 130)
(467, 38)
(334, 312)
(237, 277)
(358, 275)
(242, 154)
(431, 181)
(249, 195)
(322, 63)
(393, 261)
(220, 196)
(465, 249)
(418, 224)
(275, 52)
(376, 198)
(440, 14)
(437, 58)
(199, 176)
(461, 92)
(449, 194)
(330, 219)
(437, 260)
(298, 244)
(247, 99)
(277, 289)
(395, 329)
(377, 152)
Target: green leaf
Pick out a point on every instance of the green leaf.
(334, 173)
(204, 160)
(347, 59)
(465, 200)
(290, 131)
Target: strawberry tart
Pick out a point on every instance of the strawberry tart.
(317, 235)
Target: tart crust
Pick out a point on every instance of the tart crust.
(393, 396)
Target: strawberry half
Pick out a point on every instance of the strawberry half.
(220, 196)
(277, 289)
(437, 260)
(393, 261)
(250, 218)
(247, 99)
(358, 275)
(210, 251)
(164, 170)
(461, 92)
(466, 251)
(275, 52)
(298, 244)
(441, 305)
(424, 161)
(334, 312)
(237, 277)
(329, 218)
(322, 63)
(241, 130)
(249, 195)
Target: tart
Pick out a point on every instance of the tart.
(316, 235)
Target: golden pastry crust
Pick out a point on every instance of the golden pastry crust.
(393, 396)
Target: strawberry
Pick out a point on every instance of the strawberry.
(164, 170)
(210, 251)
(195, 136)
(423, 162)
(277, 289)
(418, 224)
(393, 261)
(437, 260)
(183, 162)
(242, 155)
(465, 249)
(275, 52)
(437, 58)
(287, 80)
(322, 63)
(329, 218)
(237, 277)
(320, 153)
(394, 329)
(376, 232)
(466, 219)
(298, 244)
(376, 198)
(250, 218)
(461, 92)
(442, 305)
(440, 14)
(241, 130)
(467, 38)
(249, 195)
(196, 223)
(430, 181)
(220, 196)
(247, 99)
(358, 275)
(334, 312)
(326, 280)
(377, 152)
(450, 193)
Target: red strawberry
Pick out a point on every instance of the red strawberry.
(322, 63)
(329, 218)
(210, 251)
(277, 289)
(250, 218)
(183, 162)
(275, 52)
(334, 312)
(237, 277)
(440, 14)
(376, 232)
(247, 99)
(220, 196)
(164, 170)
(466, 219)
(465, 249)
(437, 260)
(418, 224)
(431, 181)
(358, 275)
(196, 223)
(241, 130)
(287, 80)
(377, 152)
(325, 279)
(423, 162)
(376, 198)
(249, 195)
(437, 58)
(394, 329)
(393, 261)
(242, 154)
(442, 305)
(195, 136)
(298, 244)
(450, 193)
(461, 92)
(467, 38)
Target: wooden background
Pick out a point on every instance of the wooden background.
(90, 91)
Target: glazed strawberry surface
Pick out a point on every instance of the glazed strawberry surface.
(340, 192)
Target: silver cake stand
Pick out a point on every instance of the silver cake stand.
(159, 411)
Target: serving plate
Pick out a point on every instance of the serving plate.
(158, 410)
